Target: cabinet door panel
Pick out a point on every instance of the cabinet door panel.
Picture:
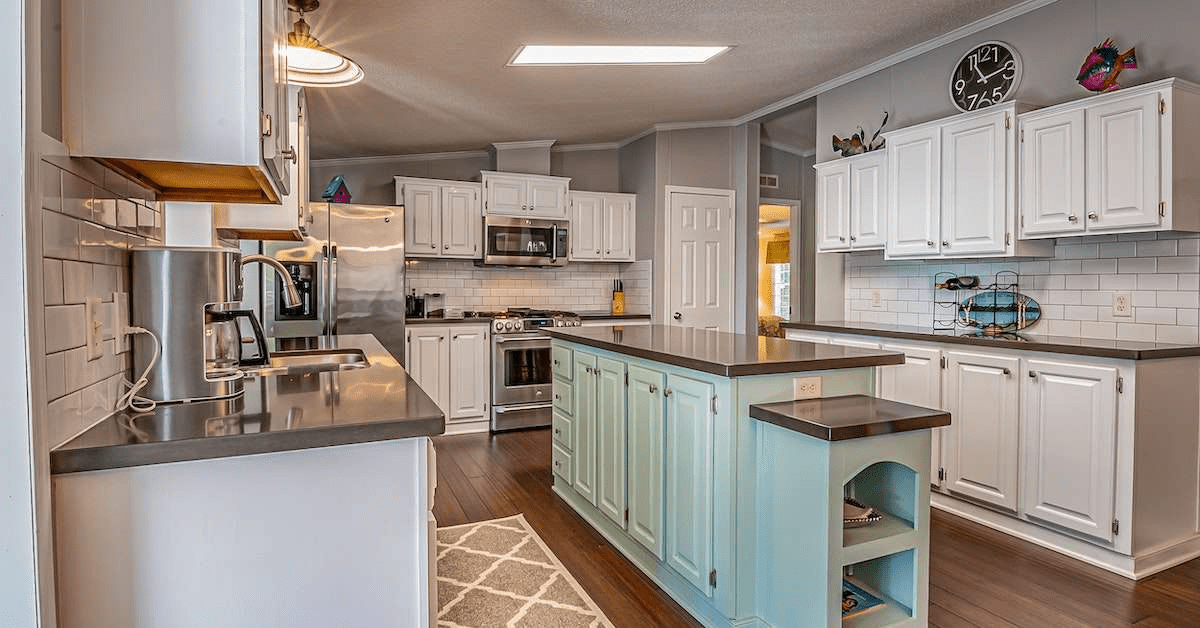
(1070, 446)
(975, 185)
(646, 413)
(584, 456)
(689, 471)
(547, 199)
(914, 170)
(610, 439)
(618, 225)
(275, 92)
(918, 382)
(1123, 163)
(586, 226)
(462, 225)
(506, 195)
(833, 207)
(427, 361)
(470, 372)
(981, 449)
(868, 194)
(1052, 174)
(422, 219)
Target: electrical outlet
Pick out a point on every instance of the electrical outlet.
(93, 316)
(876, 299)
(806, 387)
(1122, 304)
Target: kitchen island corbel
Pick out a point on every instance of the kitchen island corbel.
(656, 444)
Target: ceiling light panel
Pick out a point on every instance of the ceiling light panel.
(537, 54)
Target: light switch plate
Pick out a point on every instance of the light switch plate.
(1122, 304)
(806, 387)
(876, 299)
(93, 318)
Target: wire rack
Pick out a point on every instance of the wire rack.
(955, 308)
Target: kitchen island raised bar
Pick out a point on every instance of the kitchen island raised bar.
(305, 502)
(654, 445)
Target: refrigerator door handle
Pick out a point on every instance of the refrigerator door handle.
(333, 287)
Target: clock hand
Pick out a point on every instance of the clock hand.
(984, 79)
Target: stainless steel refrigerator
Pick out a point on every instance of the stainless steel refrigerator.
(350, 273)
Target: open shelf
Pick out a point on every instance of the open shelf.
(891, 579)
(892, 613)
(890, 488)
(889, 536)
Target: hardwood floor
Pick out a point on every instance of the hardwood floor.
(978, 577)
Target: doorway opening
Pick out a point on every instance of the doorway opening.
(775, 264)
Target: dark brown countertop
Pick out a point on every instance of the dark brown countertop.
(601, 315)
(276, 413)
(1119, 349)
(849, 416)
(720, 353)
(440, 320)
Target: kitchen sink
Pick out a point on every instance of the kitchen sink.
(304, 361)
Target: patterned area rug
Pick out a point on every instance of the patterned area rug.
(499, 574)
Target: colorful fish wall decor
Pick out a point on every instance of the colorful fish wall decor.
(1100, 69)
(858, 144)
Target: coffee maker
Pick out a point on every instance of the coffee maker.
(188, 298)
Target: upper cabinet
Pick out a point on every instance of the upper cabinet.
(851, 207)
(527, 195)
(201, 119)
(441, 218)
(1105, 164)
(602, 226)
(952, 188)
(290, 219)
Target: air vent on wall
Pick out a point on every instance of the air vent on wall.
(770, 181)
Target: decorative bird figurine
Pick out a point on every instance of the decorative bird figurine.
(858, 144)
(1100, 69)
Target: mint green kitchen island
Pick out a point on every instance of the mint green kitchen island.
(673, 444)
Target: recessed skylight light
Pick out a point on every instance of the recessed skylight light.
(614, 55)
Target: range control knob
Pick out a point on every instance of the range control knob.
(508, 325)
(498, 325)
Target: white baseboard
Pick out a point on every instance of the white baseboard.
(470, 426)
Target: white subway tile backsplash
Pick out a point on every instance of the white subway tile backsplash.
(1157, 248)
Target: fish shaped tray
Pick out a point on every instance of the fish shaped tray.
(999, 310)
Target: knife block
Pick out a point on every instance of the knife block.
(618, 302)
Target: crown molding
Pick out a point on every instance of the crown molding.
(523, 144)
(789, 148)
(572, 148)
(355, 161)
(965, 30)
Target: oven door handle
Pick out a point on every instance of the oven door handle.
(522, 407)
(529, 338)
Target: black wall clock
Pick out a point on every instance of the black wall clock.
(987, 74)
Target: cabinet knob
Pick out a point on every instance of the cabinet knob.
(1093, 216)
(929, 243)
(666, 392)
(556, 363)
(678, 316)
(1032, 374)
(853, 238)
(289, 154)
(557, 464)
(608, 252)
(557, 432)
(1073, 218)
(441, 338)
(445, 246)
(433, 246)
(946, 243)
(841, 239)
(653, 389)
(1006, 371)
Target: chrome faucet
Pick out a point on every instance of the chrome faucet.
(291, 296)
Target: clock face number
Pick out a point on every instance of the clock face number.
(985, 76)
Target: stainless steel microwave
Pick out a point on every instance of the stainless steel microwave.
(511, 241)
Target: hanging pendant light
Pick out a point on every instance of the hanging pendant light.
(311, 64)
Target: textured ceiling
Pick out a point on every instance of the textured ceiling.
(437, 80)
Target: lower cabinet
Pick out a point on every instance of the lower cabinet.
(981, 444)
(584, 429)
(645, 450)
(689, 479)
(919, 382)
(1070, 445)
(610, 439)
(452, 364)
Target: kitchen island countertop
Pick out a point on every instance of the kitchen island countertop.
(275, 413)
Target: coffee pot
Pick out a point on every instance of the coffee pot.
(225, 348)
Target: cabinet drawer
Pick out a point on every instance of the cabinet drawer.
(561, 460)
(562, 358)
(564, 396)
(562, 429)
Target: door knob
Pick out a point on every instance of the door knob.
(678, 316)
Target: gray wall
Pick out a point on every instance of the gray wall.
(637, 176)
(804, 279)
(1052, 42)
(784, 164)
(590, 170)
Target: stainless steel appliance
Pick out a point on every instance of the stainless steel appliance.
(509, 241)
(350, 275)
(522, 373)
(188, 298)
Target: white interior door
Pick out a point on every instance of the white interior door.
(700, 258)
(1123, 161)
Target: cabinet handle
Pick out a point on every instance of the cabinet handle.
(1093, 216)
(556, 363)
(433, 246)
(667, 392)
(290, 154)
(678, 316)
(441, 338)
(841, 239)
(946, 244)
(653, 389)
(608, 252)
(1006, 371)
(557, 464)
(1032, 374)
(557, 432)
(1073, 218)
(929, 243)
(853, 238)
(446, 246)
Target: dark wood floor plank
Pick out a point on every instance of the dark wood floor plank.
(979, 578)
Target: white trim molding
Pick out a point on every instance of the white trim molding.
(523, 144)
(579, 148)
(370, 159)
(788, 148)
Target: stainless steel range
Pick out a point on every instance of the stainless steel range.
(521, 368)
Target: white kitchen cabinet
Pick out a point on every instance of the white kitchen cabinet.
(918, 382)
(290, 219)
(528, 195)
(1106, 164)
(914, 193)
(441, 218)
(802, 336)
(200, 119)
(1069, 445)
(981, 455)
(978, 181)
(952, 186)
(851, 203)
(453, 365)
(602, 226)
